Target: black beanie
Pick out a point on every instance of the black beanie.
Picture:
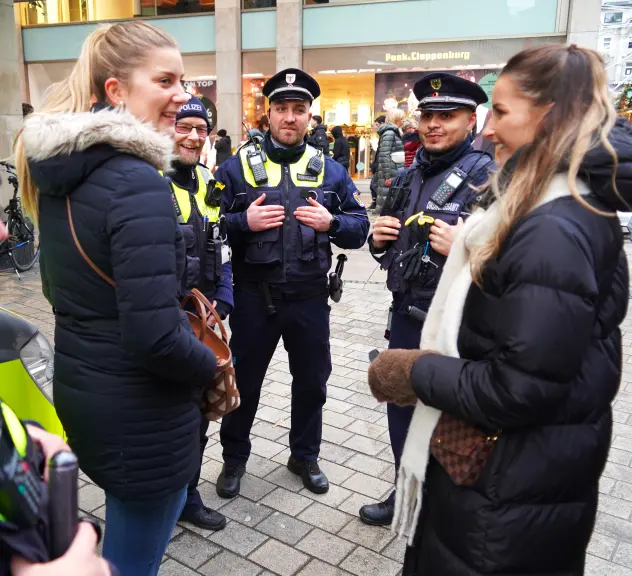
(193, 107)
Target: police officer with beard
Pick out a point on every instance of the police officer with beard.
(286, 203)
(197, 206)
(423, 212)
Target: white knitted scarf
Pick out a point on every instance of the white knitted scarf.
(440, 333)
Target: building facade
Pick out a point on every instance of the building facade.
(615, 41)
(365, 54)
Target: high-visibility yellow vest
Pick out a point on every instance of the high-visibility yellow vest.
(183, 198)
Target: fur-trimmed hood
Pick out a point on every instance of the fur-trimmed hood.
(64, 148)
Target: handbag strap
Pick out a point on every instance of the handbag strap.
(90, 263)
(200, 301)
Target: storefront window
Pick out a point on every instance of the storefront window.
(257, 68)
(258, 4)
(64, 11)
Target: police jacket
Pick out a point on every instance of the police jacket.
(540, 359)
(418, 183)
(204, 268)
(294, 254)
(129, 372)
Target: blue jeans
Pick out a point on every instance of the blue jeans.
(137, 533)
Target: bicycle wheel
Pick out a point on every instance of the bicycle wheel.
(23, 243)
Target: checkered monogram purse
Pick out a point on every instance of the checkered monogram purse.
(461, 448)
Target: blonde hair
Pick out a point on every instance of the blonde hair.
(577, 120)
(409, 123)
(394, 115)
(111, 51)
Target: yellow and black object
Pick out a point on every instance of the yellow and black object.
(416, 260)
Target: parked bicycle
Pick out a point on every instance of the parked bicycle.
(21, 244)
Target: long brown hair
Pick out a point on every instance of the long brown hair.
(571, 81)
(111, 51)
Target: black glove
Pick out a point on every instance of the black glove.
(223, 309)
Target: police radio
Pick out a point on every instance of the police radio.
(213, 196)
(255, 157)
(448, 187)
(316, 164)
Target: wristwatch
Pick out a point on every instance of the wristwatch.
(334, 225)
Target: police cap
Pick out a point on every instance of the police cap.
(442, 91)
(291, 84)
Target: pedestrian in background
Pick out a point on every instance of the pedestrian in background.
(521, 350)
(411, 140)
(375, 144)
(390, 143)
(129, 372)
(342, 155)
(263, 124)
(223, 146)
(318, 136)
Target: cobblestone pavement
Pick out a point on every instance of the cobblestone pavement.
(278, 527)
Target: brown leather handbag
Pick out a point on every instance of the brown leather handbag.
(223, 397)
(461, 448)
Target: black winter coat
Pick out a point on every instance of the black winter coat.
(540, 351)
(224, 149)
(128, 370)
(318, 139)
(386, 168)
(342, 155)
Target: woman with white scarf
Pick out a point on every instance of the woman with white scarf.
(520, 356)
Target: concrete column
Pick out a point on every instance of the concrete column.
(10, 90)
(583, 23)
(289, 50)
(228, 65)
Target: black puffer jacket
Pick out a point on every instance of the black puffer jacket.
(386, 168)
(540, 351)
(128, 370)
(318, 139)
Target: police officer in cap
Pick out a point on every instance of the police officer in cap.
(197, 205)
(422, 214)
(286, 203)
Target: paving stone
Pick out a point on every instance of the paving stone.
(335, 419)
(91, 497)
(284, 528)
(620, 456)
(280, 558)
(353, 504)
(214, 451)
(623, 555)
(270, 414)
(598, 567)
(606, 484)
(325, 545)
(367, 429)
(324, 517)
(276, 402)
(336, 454)
(363, 414)
(615, 506)
(338, 393)
(285, 501)
(276, 387)
(338, 405)
(245, 511)
(265, 448)
(387, 455)
(238, 538)
(267, 430)
(211, 470)
(286, 479)
(364, 562)
(613, 527)
(261, 467)
(602, 546)
(335, 435)
(171, 567)
(228, 564)
(396, 550)
(255, 488)
(367, 485)
(371, 537)
(336, 473)
(368, 465)
(319, 568)
(191, 549)
(335, 496)
(209, 496)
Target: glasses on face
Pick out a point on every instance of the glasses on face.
(184, 128)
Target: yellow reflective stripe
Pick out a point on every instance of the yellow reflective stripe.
(17, 431)
(209, 211)
(300, 167)
(273, 170)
